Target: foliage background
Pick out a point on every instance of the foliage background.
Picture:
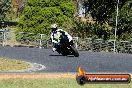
(4, 8)
(38, 15)
(103, 13)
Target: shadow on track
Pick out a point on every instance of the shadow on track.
(70, 56)
(60, 55)
(54, 55)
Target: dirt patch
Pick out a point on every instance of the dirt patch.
(36, 75)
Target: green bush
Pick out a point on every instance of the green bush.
(38, 15)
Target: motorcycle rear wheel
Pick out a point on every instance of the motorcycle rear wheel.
(74, 51)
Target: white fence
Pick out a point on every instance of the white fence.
(89, 44)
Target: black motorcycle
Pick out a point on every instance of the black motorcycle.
(66, 48)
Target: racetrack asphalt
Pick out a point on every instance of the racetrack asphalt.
(91, 61)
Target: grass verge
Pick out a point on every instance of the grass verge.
(54, 83)
(11, 64)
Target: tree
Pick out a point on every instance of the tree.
(102, 10)
(4, 8)
(104, 14)
(124, 21)
(38, 15)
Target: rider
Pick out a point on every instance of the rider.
(56, 36)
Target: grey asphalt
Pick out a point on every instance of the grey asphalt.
(91, 61)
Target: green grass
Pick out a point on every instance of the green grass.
(54, 83)
(11, 64)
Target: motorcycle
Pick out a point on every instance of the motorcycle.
(66, 48)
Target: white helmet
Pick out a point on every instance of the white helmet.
(54, 26)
